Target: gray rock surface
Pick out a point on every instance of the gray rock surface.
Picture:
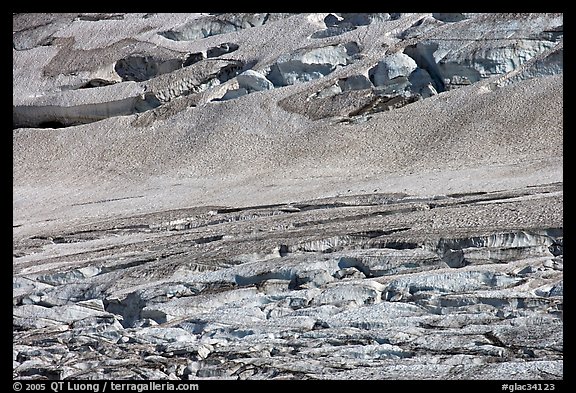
(288, 196)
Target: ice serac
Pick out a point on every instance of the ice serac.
(395, 296)
(76, 107)
(211, 25)
(340, 23)
(307, 196)
(249, 81)
(480, 54)
(391, 67)
(309, 64)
